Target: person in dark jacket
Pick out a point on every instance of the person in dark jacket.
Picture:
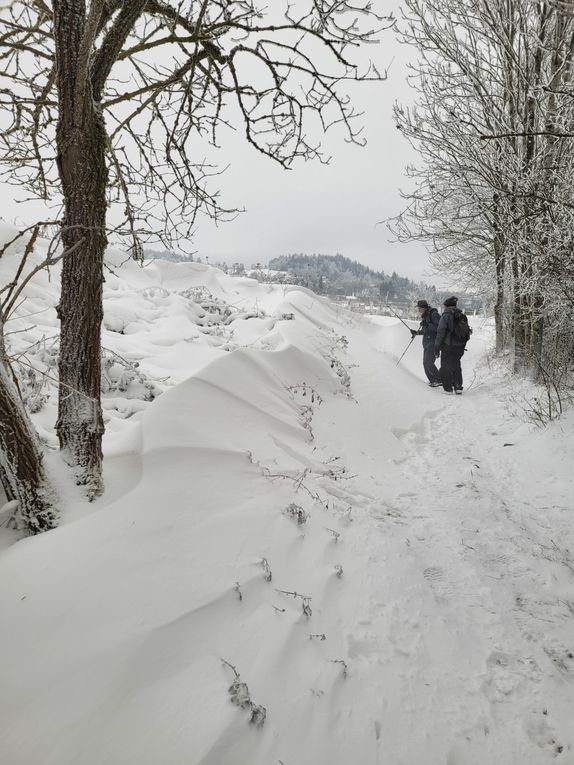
(430, 319)
(449, 348)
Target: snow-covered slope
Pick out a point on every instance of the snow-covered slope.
(304, 555)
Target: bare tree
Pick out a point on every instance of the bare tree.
(22, 472)
(130, 93)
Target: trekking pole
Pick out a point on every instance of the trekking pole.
(398, 317)
(406, 349)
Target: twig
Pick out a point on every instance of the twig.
(6, 309)
(25, 231)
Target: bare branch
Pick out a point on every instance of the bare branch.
(527, 134)
(113, 43)
(7, 307)
(91, 29)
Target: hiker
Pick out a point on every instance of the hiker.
(450, 346)
(430, 319)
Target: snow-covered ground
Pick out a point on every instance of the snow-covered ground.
(304, 554)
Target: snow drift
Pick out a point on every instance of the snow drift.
(304, 555)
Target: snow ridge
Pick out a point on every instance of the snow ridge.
(304, 554)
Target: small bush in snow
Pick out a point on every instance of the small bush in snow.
(306, 391)
(335, 534)
(266, 569)
(306, 607)
(343, 664)
(305, 600)
(298, 480)
(120, 375)
(307, 410)
(340, 343)
(306, 418)
(214, 311)
(239, 695)
(338, 473)
(37, 374)
(32, 383)
(258, 715)
(342, 374)
(297, 513)
(339, 570)
(550, 405)
(36, 369)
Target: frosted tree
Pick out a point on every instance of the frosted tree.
(22, 473)
(110, 104)
(494, 84)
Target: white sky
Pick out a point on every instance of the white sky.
(332, 209)
(314, 208)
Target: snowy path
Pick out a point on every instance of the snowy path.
(472, 612)
(438, 627)
(480, 602)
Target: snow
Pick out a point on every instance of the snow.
(449, 635)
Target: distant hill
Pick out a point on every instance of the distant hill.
(176, 257)
(336, 275)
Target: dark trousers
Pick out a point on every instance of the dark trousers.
(429, 364)
(450, 370)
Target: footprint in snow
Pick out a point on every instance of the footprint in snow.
(438, 581)
(496, 561)
(506, 673)
(385, 510)
(541, 731)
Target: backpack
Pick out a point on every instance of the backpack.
(428, 320)
(461, 331)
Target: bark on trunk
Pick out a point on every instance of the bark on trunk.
(499, 309)
(21, 469)
(537, 336)
(499, 266)
(81, 145)
(517, 317)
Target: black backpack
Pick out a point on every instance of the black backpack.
(428, 320)
(461, 331)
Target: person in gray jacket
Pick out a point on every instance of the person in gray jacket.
(449, 348)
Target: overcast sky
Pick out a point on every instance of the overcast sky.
(313, 208)
(331, 209)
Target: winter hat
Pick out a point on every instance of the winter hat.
(450, 302)
(422, 304)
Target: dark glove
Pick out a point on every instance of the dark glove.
(436, 353)
(413, 333)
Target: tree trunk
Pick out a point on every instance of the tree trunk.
(499, 266)
(537, 335)
(518, 317)
(499, 307)
(81, 145)
(21, 470)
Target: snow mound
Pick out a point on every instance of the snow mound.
(304, 554)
